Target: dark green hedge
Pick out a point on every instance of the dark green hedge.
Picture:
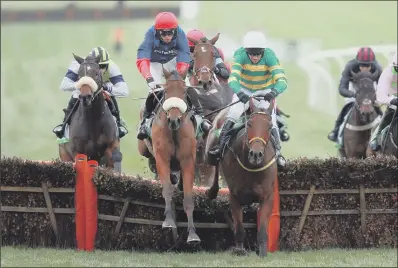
(34, 229)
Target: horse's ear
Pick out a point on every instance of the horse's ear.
(78, 59)
(354, 75)
(193, 41)
(166, 73)
(375, 75)
(214, 39)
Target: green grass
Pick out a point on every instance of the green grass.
(13, 257)
(35, 57)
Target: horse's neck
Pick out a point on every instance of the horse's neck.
(96, 110)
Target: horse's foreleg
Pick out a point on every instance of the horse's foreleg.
(188, 175)
(263, 216)
(109, 153)
(239, 231)
(215, 187)
(64, 156)
(163, 168)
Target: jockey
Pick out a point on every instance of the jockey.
(165, 45)
(386, 94)
(255, 69)
(113, 84)
(219, 69)
(365, 61)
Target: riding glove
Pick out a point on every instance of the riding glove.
(216, 70)
(151, 83)
(107, 87)
(270, 95)
(394, 101)
(243, 97)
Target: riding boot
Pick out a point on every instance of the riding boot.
(142, 132)
(59, 129)
(206, 124)
(333, 134)
(374, 141)
(281, 161)
(284, 135)
(224, 135)
(116, 112)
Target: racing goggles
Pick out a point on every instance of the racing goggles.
(366, 65)
(166, 32)
(104, 66)
(255, 51)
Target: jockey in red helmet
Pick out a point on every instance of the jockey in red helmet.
(365, 60)
(220, 69)
(165, 45)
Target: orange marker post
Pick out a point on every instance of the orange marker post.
(80, 217)
(91, 205)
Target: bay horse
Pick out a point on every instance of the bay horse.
(92, 129)
(174, 147)
(250, 170)
(212, 96)
(362, 118)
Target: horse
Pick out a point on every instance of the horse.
(362, 118)
(174, 147)
(92, 129)
(250, 170)
(212, 95)
(388, 136)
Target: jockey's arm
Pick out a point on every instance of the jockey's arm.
(236, 71)
(183, 55)
(345, 82)
(379, 69)
(71, 76)
(144, 53)
(277, 72)
(383, 86)
(117, 84)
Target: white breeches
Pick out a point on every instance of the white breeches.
(236, 110)
(157, 71)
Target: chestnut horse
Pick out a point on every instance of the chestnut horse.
(92, 129)
(250, 170)
(174, 144)
(212, 96)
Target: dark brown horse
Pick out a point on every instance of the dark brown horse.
(212, 96)
(363, 117)
(388, 135)
(249, 167)
(174, 144)
(92, 129)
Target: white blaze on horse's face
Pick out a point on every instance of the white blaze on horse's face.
(86, 80)
(175, 102)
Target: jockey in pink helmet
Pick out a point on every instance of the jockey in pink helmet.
(386, 93)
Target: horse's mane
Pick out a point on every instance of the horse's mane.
(90, 59)
(361, 75)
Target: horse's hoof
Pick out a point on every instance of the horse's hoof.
(212, 193)
(169, 224)
(174, 177)
(239, 251)
(193, 238)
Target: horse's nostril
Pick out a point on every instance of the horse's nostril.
(260, 154)
(251, 153)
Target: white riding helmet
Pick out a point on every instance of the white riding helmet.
(395, 59)
(254, 39)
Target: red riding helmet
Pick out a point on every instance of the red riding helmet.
(365, 55)
(166, 20)
(196, 35)
(221, 53)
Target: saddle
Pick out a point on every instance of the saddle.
(157, 100)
